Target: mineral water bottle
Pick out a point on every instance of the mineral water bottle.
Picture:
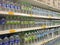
(26, 42)
(1, 42)
(6, 41)
(11, 40)
(17, 39)
(0, 6)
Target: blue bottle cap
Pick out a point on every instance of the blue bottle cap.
(12, 6)
(8, 5)
(15, 7)
(18, 8)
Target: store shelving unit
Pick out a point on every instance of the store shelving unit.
(28, 15)
(43, 5)
(26, 29)
(39, 4)
(46, 41)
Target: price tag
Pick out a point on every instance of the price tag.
(12, 31)
(31, 15)
(43, 26)
(11, 13)
(49, 16)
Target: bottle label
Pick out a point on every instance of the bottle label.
(2, 21)
(17, 41)
(7, 5)
(11, 42)
(40, 35)
(15, 7)
(6, 43)
(12, 7)
(18, 8)
(0, 4)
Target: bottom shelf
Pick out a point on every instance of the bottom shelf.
(46, 41)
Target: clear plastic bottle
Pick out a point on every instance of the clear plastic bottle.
(26, 40)
(17, 39)
(1, 42)
(11, 40)
(0, 5)
(6, 41)
(32, 36)
(2, 22)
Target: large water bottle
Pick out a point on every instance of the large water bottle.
(26, 40)
(1, 42)
(0, 6)
(11, 41)
(6, 41)
(17, 39)
(2, 22)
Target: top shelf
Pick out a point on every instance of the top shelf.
(42, 5)
(28, 15)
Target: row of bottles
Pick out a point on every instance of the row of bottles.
(17, 22)
(29, 37)
(32, 38)
(25, 7)
(12, 40)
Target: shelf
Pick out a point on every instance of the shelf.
(28, 15)
(42, 5)
(25, 29)
(45, 41)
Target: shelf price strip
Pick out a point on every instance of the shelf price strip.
(12, 31)
(11, 13)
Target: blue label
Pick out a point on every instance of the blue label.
(7, 5)
(16, 7)
(0, 4)
(17, 41)
(6, 43)
(40, 35)
(12, 42)
(2, 21)
(11, 6)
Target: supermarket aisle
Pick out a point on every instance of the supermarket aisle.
(54, 42)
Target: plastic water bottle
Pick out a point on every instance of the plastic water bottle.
(26, 39)
(11, 41)
(17, 39)
(1, 42)
(2, 22)
(0, 6)
(6, 41)
(17, 8)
